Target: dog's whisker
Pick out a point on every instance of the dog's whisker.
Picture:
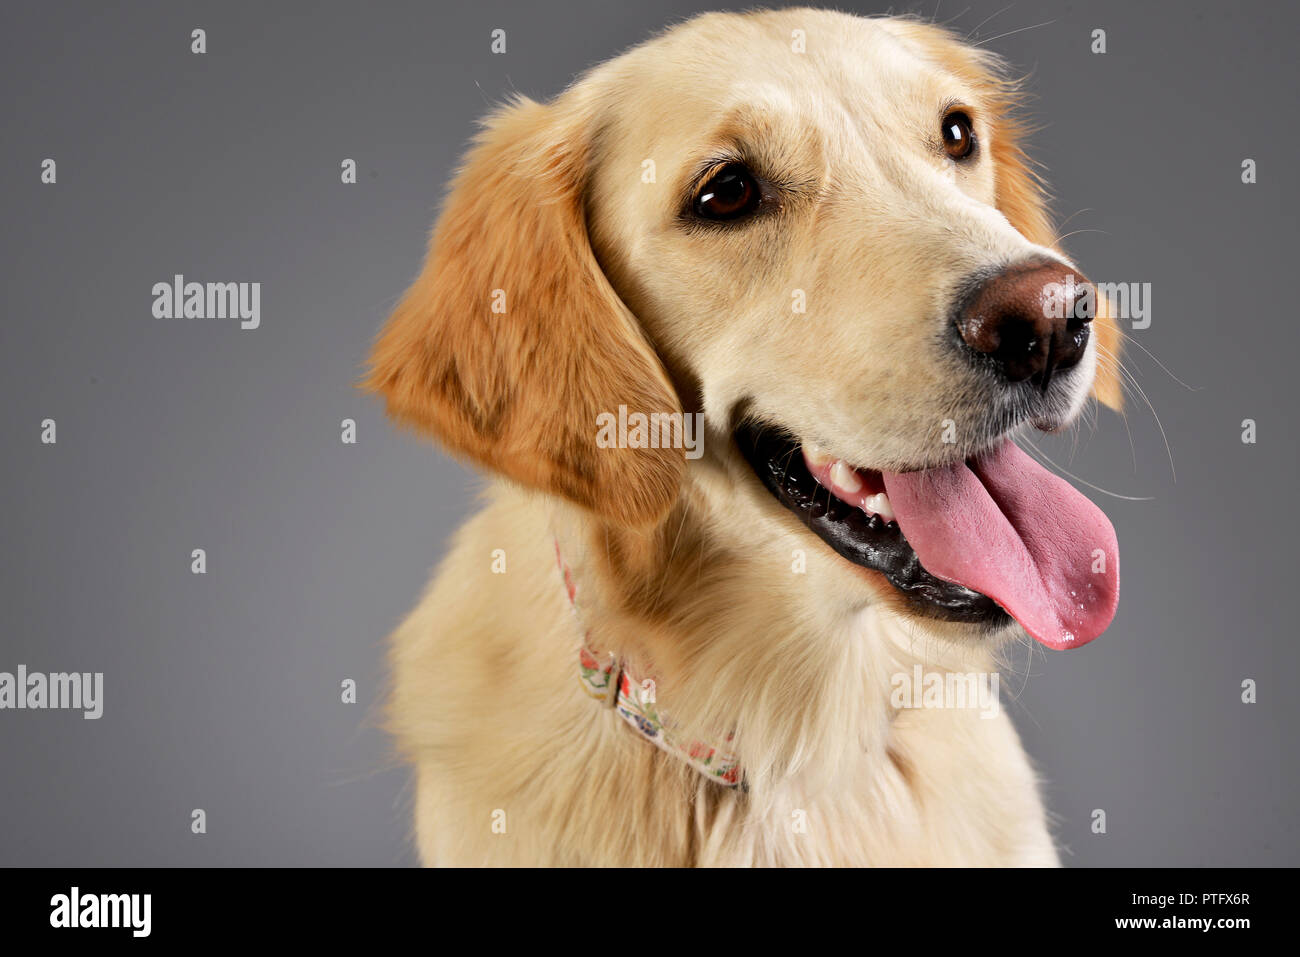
(1132, 380)
(988, 18)
(1065, 222)
(956, 17)
(1047, 461)
(1077, 232)
(1000, 36)
(1131, 340)
(1132, 447)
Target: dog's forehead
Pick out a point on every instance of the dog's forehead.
(798, 69)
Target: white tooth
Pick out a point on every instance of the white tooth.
(879, 504)
(845, 477)
(815, 455)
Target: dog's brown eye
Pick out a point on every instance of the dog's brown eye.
(958, 137)
(729, 194)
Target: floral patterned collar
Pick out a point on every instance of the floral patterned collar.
(608, 679)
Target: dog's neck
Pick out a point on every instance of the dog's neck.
(804, 685)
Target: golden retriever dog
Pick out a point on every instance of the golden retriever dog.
(743, 324)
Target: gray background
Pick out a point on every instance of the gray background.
(222, 691)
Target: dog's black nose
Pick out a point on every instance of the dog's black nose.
(1031, 319)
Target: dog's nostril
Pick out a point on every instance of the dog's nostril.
(1079, 313)
(1016, 347)
(1030, 319)
(1017, 343)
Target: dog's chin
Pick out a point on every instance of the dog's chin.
(869, 541)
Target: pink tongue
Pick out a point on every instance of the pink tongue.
(1007, 528)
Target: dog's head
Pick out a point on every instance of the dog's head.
(820, 232)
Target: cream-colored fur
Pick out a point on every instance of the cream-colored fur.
(691, 570)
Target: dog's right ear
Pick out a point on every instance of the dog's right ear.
(511, 342)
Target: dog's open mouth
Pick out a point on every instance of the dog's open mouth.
(975, 541)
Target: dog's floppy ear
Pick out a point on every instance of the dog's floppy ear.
(1020, 195)
(511, 342)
